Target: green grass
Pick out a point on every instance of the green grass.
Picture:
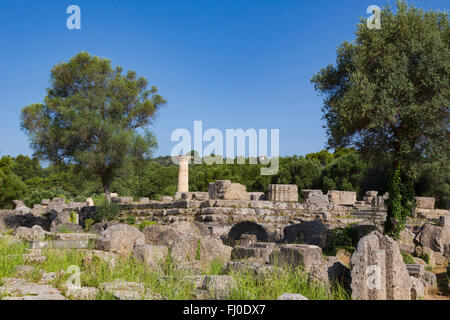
(271, 286)
(166, 279)
(407, 258)
(9, 263)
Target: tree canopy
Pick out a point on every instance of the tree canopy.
(388, 93)
(91, 117)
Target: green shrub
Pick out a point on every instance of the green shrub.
(36, 195)
(130, 220)
(425, 257)
(88, 224)
(407, 258)
(73, 217)
(146, 224)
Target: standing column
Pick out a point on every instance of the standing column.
(183, 173)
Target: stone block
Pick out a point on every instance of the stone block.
(283, 192)
(424, 202)
(342, 197)
(225, 190)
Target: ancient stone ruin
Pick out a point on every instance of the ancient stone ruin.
(256, 231)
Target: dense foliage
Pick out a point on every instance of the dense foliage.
(388, 95)
(91, 116)
(24, 178)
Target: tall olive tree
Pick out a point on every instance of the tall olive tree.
(93, 115)
(388, 95)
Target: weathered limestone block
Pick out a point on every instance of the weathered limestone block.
(342, 197)
(167, 198)
(107, 257)
(20, 289)
(82, 293)
(76, 205)
(144, 200)
(219, 286)
(119, 238)
(435, 237)
(283, 192)
(292, 296)
(417, 289)
(315, 198)
(56, 206)
(296, 255)
(329, 271)
(198, 196)
(259, 254)
(159, 235)
(122, 199)
(415, 270)
(191, 227)
(257, 196)
(122, 290)
(378, 271)
(192, 248)
(21, 207)
(429, 279)
(371, 193)
(225, 190)
(90, 202)
(151, 255)
(247, 239)
(425, 202)
(35, 233)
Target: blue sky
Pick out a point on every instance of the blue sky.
(231, 64)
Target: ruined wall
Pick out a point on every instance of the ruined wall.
(283, 192)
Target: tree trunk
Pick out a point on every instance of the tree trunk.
(107, 192)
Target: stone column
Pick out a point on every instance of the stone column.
(183, 173)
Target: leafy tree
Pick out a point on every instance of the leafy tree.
(26, 167)
(91, 116)
(346, 173)
(11, 186)
(389, 92)
(324, 157)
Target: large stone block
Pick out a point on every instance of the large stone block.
(151, 255)
(251, 253)
(122, 199)
(425, 202)
(315, 198)
(225, 190)
(119, 238)
(435, 237)
(378, 271)
(342, 197)
(283, 192)
(296, 255)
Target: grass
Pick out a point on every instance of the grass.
(407, 258)
(166, 279)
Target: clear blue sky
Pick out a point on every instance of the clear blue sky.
(232, 64)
